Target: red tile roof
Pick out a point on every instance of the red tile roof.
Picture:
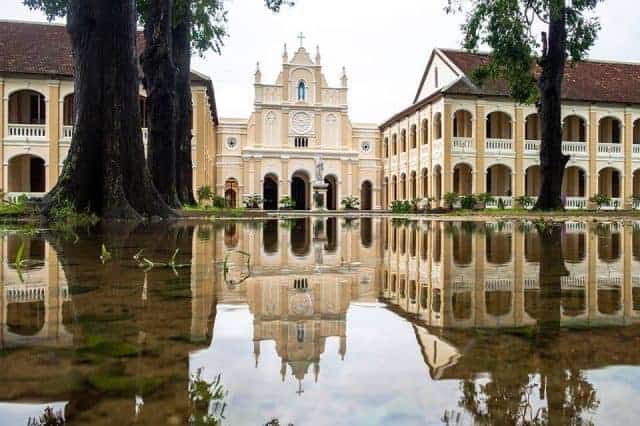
(590, 81)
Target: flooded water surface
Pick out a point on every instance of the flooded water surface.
(322, 321)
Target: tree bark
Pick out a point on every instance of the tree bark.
(160, 82)
(552, 63)
(184, 107)
(105, 171)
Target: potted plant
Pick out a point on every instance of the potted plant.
(600, 200)
(485, 198)
(350, 203)
(204, 194)
(525, 201)
(451, 198)
(287, 203)
(253, 201)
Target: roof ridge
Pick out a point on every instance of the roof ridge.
(23, 21)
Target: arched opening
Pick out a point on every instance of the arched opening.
(270, 237)
(437, 126)
(33, 249)
(498, 248)
(574, 247)
(332, 235)
(532, 304)
(413, 291)
(462, 124)
(26, 318)
(425, 183)
(498, 303)
(437, 183)
(574, 183)
(403, 186)
(532, 181)
(499, 125)
(403, 241)
(231, 193)
(413, 137)
(68, 111)
(462, 179)
(424, 297)
(636, 188)
(461, 305)
(394, 188)
(609, 300)
(462, 248)
(413, 186)
(574, 129)
(27, 174)
(437, 244)
(609, 182)
(532, 247)
(302, 91)
(574, 302)
(385, 192)
(394, 144)
(385, 147)
(366, 190)
(425, 131)
(499, 180)
(230, 235)
(270, 192)
(609, 130)
(609, 246)
(413, 241)
(300, 190)
(300, 237)
(424, 248)
(636, 132)
(366, 232)
(332, 192)
(436, 300)
(532, 128)
(27, 114)
(403, 141)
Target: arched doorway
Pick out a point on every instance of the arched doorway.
(610, 184)
(300, 190)
(332, 192)
(270, 192)
(437, 183)
(499, 180)
(366, 190)
(231, 193)
(462, 179)
(27, 174)
(532, 180)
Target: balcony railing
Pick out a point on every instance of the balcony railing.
(531, 146)
(67, 132)
(636, 150)
(507, 202)
(610, 149)
(499, 145)
(461, 144)
(15, 196)
(614, 204)
(575, 227)
(574, 148)
(27, 130)
(575, 203)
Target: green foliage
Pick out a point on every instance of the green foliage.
(350, 203)
(287, 203)
(450, 198)
(48, 418)
(507, 27)
(600, 200)
(525, 201)
(204, 193)
(468, 202)
(253, 201)
(485, 198)
(401, 206)
(218, 201)
(105, 255)
(207, 400)
(64, 216)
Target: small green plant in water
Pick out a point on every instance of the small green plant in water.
(105, 255)
(150, 264)
(208, 400)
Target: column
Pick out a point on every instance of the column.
(199, 111)
(285, 128)
(4, 113)
(518, 187)
(53, 132)
(592, 147)
(592, 272)
(627, 182)
(481, 123)
(627, 292)
(447, 140)
(285, 179)
(478, 299)
(518, 284)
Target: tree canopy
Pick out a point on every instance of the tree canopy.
(508, 28)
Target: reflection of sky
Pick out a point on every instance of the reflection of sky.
(17, 413)
(382, 380)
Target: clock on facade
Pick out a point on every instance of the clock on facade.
(232, 143)
(365, 146)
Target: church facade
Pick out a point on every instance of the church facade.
(299, 142)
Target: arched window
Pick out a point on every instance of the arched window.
(302, 91)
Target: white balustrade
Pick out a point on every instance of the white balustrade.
(636, 150)
(27, 131)
(574, 148)
(575, 203)
(575, 227)
(610, 149)
(507, 202)
(403, 157)
(499, 145)
(463, 144)
(636, 204)
(531, 146)
(67, 132)
(498, 284)
(573, 282)
(14, 196)
(614, 204)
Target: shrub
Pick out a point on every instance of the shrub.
(450, 198)
(253, 201)
(204, 193)
(500, 204)
(468, 202)
(600, 200)
(525, 201)
(484, 199)
(425, 203)
(350, 203)
(318, 200)
(400, 206)
(218, 201)
(287, 203)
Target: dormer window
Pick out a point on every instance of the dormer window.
(302, 91)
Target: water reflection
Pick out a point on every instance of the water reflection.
(406, 322)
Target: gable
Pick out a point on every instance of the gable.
(438, 73)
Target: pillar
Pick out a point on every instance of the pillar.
(518, 285)
(199, 111)
(627, 183)
(518, 183)
(53, 131)
(592, 147)
(481, 123)
(627, 292)
(447, 141)
(478, 299)
(592, 271)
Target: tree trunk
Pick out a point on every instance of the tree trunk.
(160, 82)
(105, 171)
(184, 108)
(552, 160)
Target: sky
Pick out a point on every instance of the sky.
(384, 45)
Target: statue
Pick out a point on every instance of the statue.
(319, 170)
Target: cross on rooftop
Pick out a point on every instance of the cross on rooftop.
(301, 37)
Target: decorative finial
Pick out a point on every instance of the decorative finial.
(285, 54)
(258, 74)
(318, 54)
(343, 79)
(301, 37)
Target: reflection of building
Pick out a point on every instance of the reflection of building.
(304, 276)
(464, 138)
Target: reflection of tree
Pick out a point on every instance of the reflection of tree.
(208, 400)
(48, 418)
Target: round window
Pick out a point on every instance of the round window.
(365, 146)
(232, 143)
